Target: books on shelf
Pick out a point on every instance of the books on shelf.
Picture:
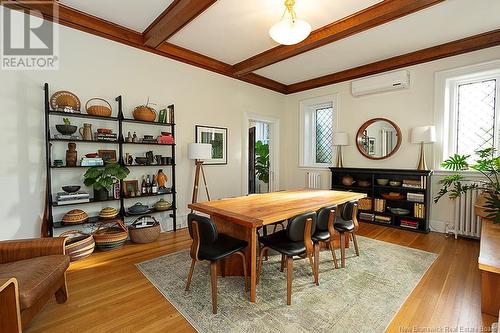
(409, 224)
(419, 210)
(111, 137)
(64, 198)
(383, 219)
(415, 183)
(415, 197)
(367, 216)
(379, 205)
(95, 161)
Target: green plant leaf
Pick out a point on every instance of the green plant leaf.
(104, 178)
(456, 162)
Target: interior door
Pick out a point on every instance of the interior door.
(251, 160)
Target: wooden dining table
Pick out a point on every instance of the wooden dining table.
(240, 217)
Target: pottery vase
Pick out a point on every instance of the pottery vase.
(86, 132)
(71, 155)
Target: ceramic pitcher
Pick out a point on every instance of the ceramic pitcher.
(86, 132)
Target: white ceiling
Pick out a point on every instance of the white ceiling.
(234, 30)
(448, 21)
(132, 14)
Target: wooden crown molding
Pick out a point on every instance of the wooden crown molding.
(84, 22)
(174, 18)
(468, 44)
(368, 18)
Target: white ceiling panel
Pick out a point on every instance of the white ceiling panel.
(233, 30)
(132, 14)
(448, 21)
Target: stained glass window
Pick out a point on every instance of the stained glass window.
(324, 134)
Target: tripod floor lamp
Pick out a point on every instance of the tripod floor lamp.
(199, 152)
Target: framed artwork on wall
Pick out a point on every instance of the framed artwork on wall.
(217, 137)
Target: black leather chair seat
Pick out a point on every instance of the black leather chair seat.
(281, 243)
(224, 246)
(342, 225)
(321, 236)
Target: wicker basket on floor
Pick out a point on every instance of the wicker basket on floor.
(144, 234)
(110, 235)
(79, 245)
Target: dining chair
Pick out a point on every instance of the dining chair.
(347, 222)
(210, 245)
(295, 240)
(325, 233)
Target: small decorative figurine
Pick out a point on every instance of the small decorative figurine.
(71, 155)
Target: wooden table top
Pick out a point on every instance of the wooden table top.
(489, 253)
(260, 209)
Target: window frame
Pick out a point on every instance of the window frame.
(307, 129)
(446, 105)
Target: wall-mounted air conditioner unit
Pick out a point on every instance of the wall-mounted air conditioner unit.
(380, 83)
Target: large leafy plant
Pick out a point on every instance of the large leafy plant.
(455, 185)
(262, 161)
(104, 178)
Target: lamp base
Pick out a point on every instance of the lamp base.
(340, 159)
(422, 164)
(199, 168)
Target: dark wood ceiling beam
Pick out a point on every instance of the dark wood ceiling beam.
(368, 18)
(81, 21)
(174, 18)
(469, 44)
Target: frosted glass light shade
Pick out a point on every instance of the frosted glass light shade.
(423, 134)
(289, 31)
(340, 139)
(199, 151)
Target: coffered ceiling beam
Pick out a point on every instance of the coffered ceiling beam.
(469, 44)
(368, 18)
(81, 21)
(176, 16)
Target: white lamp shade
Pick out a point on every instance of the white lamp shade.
(340, 139)
(289, 31)
(199, 151)
(423, 134)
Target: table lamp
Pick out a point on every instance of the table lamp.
(423, 135)
(199, 152)
(340, 139)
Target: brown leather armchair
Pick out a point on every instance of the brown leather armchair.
(39, 266)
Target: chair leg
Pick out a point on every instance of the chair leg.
(223, 267)
(259, 269)
(311, 263)
(244, 261)
(289, 277)
(334, 255)
(282, 262)
(190, 275)
(213, 278)
(355, 241)
(62, 293)
(316, 264)
(342, 250)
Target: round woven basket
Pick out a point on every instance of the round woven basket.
(75, 216)
(110, 235)
(143, 235)
(79, 245)
(98, 110)
(144, 113)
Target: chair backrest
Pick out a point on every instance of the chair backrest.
(207, 230)
(296, 225)
(323, 216)
(347, 210)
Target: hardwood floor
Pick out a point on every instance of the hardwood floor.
(107, 293)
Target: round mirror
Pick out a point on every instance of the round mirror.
(378, 138)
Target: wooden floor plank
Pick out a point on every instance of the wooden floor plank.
(107, 293)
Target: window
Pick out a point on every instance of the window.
(317, 118)
(467, 110)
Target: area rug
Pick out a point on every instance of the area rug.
(363, 297)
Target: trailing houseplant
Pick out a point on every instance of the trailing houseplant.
(262, 161)
(102, 179)
(488, 164)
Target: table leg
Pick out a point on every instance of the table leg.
(253, 262)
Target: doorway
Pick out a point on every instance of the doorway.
(261, 154)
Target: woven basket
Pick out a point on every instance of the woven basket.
(144, 113)
(113, 236)
(365, 204)
(79, 245)
(145, 234)
(98, 110)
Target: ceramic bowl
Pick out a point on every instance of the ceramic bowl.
(141, 160)
(91, 155)
(382, 181)
(71, 188)
(66, 129)
(399, 211)
(364, 183)
(138, 208)
(395, 183)
(162, 205)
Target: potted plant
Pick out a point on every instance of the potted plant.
(262, 161)
(66, 128)
(102, 179)
(488, 204)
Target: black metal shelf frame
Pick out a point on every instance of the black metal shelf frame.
(120, 143)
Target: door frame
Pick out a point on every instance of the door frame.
(274, 149)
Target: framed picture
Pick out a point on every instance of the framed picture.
(371, 146)
(130, 188)
(217, 137)
(107, 155)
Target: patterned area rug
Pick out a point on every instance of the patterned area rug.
(363, 297)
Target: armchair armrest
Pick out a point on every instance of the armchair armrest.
(14, 250)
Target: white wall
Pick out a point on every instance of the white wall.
(91, 66)
(407, 108)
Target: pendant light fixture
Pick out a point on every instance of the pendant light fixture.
(290, 30)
